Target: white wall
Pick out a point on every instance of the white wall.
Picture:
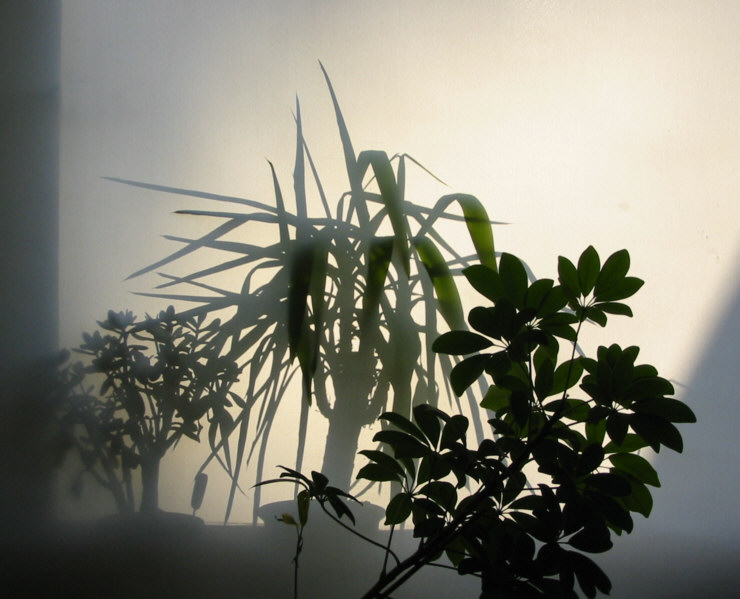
(613, 124)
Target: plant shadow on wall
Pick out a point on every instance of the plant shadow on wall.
(156, 380)
(353, 296)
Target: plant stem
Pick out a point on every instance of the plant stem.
(298, 547)
(360, 535)
(388, 551)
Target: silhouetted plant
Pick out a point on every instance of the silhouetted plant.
(580, 421)
(160, 380)
(353, 295)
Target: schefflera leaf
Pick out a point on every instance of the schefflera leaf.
(399, 509)
(589, 266)
(514, 281)
(636, 466)
(382, 468)
(460, 343)
(467, 372)
(613, 271)
(485, 281)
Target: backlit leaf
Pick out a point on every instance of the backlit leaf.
(399, 509)
(636, 466)
(460, 343)
(485, 281)
(513, 279)
(588, 269)
(468, 371)
(568, 276)
(612, 272)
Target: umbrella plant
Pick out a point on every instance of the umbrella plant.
(352, 295)
(561, 467)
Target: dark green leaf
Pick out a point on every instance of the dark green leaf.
(468, 371)
(499, 364)
(520, 407)
(536, 527)
(427, 418)
(497, 322)
(454, 430)
(537, 293)
(513, 487)
(496, 398)
(667, 408)
(460, 343)
(590, 459)
(529, 502)
(543, 384)
(630, 444)
(590, 576)
(588, 269)
(615, 308)
(609, 483)
(320, 481)
(559, 325)
(442, 493)
(657, 431)
(399, 509)
(595, 314)
(616, 515)
(403, 445)
(592, 539)
(566, 375)
(636, 466)
(339, 507)
(383, 459)
(555, 301)
(649, 387)
(433, 467)
(627, 287)
(404, 424)
(639, 499)
(304, 502)
(485, 281)
(612, 273)
(568, 277)
(617, 426)
(513, 279)
(379, 473)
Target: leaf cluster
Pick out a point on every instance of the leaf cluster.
(315, 488)
(580, 421)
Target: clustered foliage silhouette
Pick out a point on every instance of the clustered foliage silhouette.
(480, 507)
(353, 297)
(160, 379)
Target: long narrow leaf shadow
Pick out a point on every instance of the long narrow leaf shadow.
(350, 300)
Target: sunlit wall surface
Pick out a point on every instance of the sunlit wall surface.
(613, 124)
